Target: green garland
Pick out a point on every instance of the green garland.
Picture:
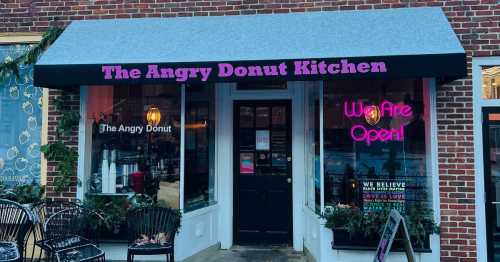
(11, 66)
(65, 156)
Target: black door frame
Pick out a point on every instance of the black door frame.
(489, 209)
(257, 102)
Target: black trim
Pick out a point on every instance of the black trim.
(447, 67)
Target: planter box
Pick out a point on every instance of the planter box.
(119, 235)
(343, 240)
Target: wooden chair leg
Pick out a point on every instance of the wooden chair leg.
(40, 254)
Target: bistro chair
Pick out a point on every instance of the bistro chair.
(151, 231)
(41, 212)
(69, 228)
(15, 224)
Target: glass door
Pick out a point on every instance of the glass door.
(491, 144)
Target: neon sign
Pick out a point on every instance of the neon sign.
(372, 115)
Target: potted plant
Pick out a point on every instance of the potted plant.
(114, 210)
(421, 224)
(26, 194)
(346, 223)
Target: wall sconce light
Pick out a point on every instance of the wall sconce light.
(372, 115)
(153, 116)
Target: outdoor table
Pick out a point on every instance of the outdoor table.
(84, 253)
(9, 252)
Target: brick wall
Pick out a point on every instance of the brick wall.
(476, 23)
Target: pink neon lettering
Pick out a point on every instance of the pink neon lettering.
(353, 112)
(387, 109)
(359, 133)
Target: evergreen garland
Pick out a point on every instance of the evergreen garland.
(11, 66)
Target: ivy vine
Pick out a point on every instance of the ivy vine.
(66, 158)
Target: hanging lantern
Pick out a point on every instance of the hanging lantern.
(153, 116)
(372, 115)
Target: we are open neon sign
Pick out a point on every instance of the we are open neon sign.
(372, 114)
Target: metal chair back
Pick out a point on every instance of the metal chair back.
(15, 223)
(76, 221)
(47, 208)
(152, 221)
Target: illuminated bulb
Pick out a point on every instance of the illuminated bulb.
(153, 116)
(372, 115)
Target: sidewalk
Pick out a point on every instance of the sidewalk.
(244, 254)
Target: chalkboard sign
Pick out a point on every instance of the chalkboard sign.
(381, 195)
(394, 223)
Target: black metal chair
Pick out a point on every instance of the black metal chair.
(152, 231)
(42, 211)
(15, 223)
(69, 228)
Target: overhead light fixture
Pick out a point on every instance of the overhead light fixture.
(153, 116)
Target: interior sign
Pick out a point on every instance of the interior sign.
(262, 140)
(138, 129)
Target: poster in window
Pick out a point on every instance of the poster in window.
(380, 194)
(246, 163)
(279, 159)
(262, 140)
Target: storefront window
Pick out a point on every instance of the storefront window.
(199, 175)
(491, 82)
(20, 122)
(375, 144)
(135, 141)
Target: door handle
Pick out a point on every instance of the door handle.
(495, 203)
(289, 180)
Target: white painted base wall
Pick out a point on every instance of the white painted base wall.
(199, 231)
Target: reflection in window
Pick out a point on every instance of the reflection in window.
(135, 141)
(313, 150)
(199, 177)
(374, 144)
(491, 82)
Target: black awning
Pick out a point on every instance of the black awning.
(390, 43)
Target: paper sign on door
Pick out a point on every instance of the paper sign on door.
(262, 140)
(246, 163)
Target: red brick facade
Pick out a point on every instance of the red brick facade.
(476, 22)
(72, 102)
